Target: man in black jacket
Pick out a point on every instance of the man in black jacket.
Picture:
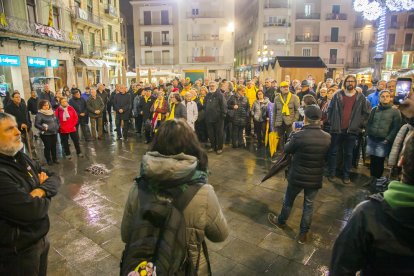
(26, 190)
(144, 108)
(122, 107)
(215, 112)
(18, 109)
(308, 148)
(378, 238)
(79, 104)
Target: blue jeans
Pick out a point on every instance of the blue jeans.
(346, 143)
(289, 199)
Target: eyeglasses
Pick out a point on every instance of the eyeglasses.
(349, 81)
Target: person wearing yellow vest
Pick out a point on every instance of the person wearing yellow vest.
(285, 113)
(251, 94)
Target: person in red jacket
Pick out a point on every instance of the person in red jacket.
(68, 119)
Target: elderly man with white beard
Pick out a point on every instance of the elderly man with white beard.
(26, 190)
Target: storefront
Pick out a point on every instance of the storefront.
(8, 64)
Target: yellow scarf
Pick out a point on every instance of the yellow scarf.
(146, 98)
(285, 108)
(158, 104)
(202, 100)
(171, 117)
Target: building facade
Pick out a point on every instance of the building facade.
(187, 37)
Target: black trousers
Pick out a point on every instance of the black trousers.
(64, 138)
(49, 141)
(215, 134)
(32, 261)
(121, 131)
(109, 110)
(86, 132)
(237, 139)
(201, 130)
(228, 130)
(138, 124)
(260, 131)
(377, 166)
(283, 132)
(104, 118)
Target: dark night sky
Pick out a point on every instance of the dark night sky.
(126, 10)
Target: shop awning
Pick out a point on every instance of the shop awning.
(93, 63)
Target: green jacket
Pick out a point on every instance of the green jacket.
(95, 104)
(384, 122)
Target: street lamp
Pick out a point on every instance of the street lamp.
(372, 10)
(264, 55)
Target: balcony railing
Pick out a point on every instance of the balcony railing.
(157, 43)
(305, 38)
(336, 16)
(333, 60)
(112, 46)
(313, 15)
(155, 23)
(276, 42)
(111, 10)
(31, 29)
(408, 47)
(85, 16)
(205, 14)
(201, 37)
(157, 61)
(362, 24)
(204, 59)
(394, 48)
(335, 39)
(276, 6)
(358, 43)
(276, 24)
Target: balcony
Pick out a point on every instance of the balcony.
(408, 47)
(362, 24)
(372, 44)
(30, 29)
(109, 46)
(156, 43)
(204, 59)
(157, 61)
(276, 24)
(276, 6)
(86, 17)
(276, 42)
(335, 39)
(205, 14)
(394, 48)
(358, 43)
(111, 10)
(204, 37)
(338, 61)
(336, 16)
(306, 38)
(155, 23)
(308, 16)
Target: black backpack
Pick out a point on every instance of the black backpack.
(158, 233)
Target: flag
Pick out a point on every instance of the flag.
(50, 22)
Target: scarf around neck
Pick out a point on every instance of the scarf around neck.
(285, 108)
(48, 112)
(171, 117)
(65, 113)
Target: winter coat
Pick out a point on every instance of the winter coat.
(308, 148)
(270, 93)
(32, 105)
(163, 110)
(69, 125)
(251, 94)
(20, 113)
(135, 104)
(377, 240)
(50, 96)
(192, 113)
(278, 118)
(203, 215)
(384, 122)
(243, 110)
(50, 120)
(359, 113)
(23, 219)
(104, 96)
(123, 101)
(399, 142)
(303, 94)
(145, 107)
(95, 104)
(180, 111)
(259, 110)
(215, 107)
(80, 107)
(373, 98)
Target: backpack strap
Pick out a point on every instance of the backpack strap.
(182, 201)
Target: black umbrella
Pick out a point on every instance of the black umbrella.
(281, 163)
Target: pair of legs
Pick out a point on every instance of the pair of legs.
(283, 132)
(215, 134)
(289, 199)
(237, 139)
(49, 141)
(28, 140)
(64, 137)
(96, 123)
(260, 131)
(344, 142)
(122, 126)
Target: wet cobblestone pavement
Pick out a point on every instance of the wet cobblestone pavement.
(86, 215)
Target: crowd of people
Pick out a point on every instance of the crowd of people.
(314, 123)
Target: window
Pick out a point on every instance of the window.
(90, 6)
(164, 18)
(334, 34)
(404, 61)
(116, 37)
(356, 60)
(389, 61)
(92, 40)
(410, 21)
(306, 52)
(407, 42)
(31, 10)
(336, 9)
(147, 18)
(56, 17)
(110, 38)
(165, 37)
(394, 22)
(103, 34)
(148, 38)
(194, 12)
(308, 9)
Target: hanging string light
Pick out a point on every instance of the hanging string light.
(408, 4)
(394, 5)
(373, 11)
(360, 5)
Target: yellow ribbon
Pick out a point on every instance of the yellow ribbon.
(171, 116)
(285, 108)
